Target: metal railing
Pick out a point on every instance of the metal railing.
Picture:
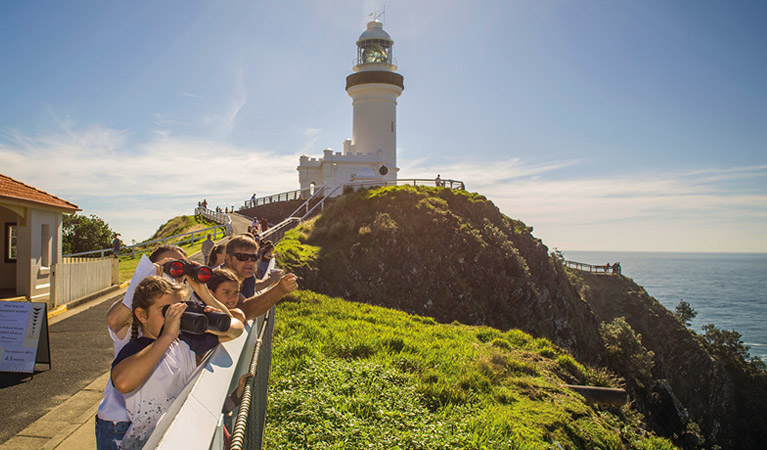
(248, 430)
(591, 268)
(215, 216)
(298, 194)
(449, 184)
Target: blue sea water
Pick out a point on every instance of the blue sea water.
(726, 289)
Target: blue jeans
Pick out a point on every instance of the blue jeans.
(109, 435)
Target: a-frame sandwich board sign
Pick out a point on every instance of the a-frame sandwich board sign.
(23, 336)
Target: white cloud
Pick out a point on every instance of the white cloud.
(675, 211)
(137, 186)
(125, 183)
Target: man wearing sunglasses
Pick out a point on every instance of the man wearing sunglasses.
(242, 258)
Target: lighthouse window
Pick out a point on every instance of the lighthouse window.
(375, 51)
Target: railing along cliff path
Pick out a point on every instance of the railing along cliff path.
(591, 268)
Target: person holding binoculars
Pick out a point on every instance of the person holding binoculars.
(151, 370)
(112, 419)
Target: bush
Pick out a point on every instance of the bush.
(627, 354)
(684, 312)
(85, 234)
(729, 346)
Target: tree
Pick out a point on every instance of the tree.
(84, 234)
(624, 347)
(728, 344)
(684, 312)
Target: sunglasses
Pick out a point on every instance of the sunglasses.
(245, 256)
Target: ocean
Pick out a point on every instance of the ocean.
(726, 289)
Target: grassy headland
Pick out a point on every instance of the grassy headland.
(451, 256)
(350, 375)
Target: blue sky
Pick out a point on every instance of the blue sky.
(605, 125)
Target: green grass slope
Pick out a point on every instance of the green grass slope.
(446, 254)
(348, 375)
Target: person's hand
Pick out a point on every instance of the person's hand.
(209, 309)
(241, 385)
(173, 320)
(160, 265)
(274, 276)
(288, 284)
(200, 288)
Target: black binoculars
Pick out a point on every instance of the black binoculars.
(178, 268)
(195, 320)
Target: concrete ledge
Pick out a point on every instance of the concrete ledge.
(90, 297)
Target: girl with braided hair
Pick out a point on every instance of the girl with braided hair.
(153, 368)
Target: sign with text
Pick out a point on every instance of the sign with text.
(23, 336)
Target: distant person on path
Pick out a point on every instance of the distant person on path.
(207, 245)
(438, 181)
(116, 244)
(607, 268)
(617, 268)
(151, 371)
(264, 224)
(205, 203)
(253, 200)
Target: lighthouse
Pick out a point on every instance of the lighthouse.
(371, 154)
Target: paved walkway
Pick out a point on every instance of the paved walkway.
(55, 408)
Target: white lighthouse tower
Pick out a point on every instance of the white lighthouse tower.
(371, 153)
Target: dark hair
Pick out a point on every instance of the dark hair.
(149, 290)
(215, 253)
(240, 243)
(159, 251)
(221, 276)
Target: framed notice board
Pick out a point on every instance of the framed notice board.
(23, 336)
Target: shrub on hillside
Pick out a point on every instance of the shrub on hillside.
(627, 354)
(684, 312)
(728, 345)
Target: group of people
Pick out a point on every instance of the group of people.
(153, 357)
(614, 268)
(258, 226)
(204, 204)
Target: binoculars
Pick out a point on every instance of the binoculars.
(178, 268)
(196, 321)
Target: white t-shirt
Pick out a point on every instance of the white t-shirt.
(146, 404)
(112, 406)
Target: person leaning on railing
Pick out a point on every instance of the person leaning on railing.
(241, 257)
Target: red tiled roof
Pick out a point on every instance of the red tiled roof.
(16, 190)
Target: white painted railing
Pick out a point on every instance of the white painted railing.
(297, 194)
(142, 247)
